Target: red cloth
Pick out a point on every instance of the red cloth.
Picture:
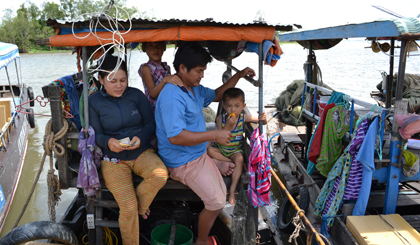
(316, 141)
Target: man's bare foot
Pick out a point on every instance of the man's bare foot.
(231, 198)
(225, 168)
(146, 214)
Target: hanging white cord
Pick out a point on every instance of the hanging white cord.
(117, 36)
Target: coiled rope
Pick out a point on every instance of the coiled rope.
(297, 221)
(50, 144)
(299, 224)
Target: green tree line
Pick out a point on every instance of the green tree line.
(29, 22)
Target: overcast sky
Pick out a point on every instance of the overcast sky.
(308, 13)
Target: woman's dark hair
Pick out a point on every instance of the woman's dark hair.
(110, 63)
(234, 93)
(191, 55)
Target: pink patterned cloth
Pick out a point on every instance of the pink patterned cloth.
(158, 73)
(410, 124)
(259, 168)
(88, 178)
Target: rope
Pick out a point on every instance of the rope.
(107, 44)
(297, 221)
(299, 226)
(53, 184)
(107, 237)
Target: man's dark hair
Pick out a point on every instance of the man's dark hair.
(191, 54)
(234, 93)
(110, 63)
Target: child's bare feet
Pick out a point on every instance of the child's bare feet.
(231, 198)
(225, 168)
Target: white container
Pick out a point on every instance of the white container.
(322, 102)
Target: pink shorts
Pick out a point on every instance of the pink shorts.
(204, 178)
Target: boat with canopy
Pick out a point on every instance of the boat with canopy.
(383, 204)
(16, 117)
(94, 37)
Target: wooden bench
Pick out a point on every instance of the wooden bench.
(7, 103)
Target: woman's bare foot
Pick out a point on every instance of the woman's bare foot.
(146, 214)
(225, 168)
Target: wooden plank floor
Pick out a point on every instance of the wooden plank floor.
(413, 220)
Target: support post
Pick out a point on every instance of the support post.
(388, 94)
(308, 123)
(85, 88)
(261, 83)
(53, 93)
(394, 172)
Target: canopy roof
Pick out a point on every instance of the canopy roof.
(8, 53)
(143, 30)
(397, 28)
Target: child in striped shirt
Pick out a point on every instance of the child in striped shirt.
(233, 120)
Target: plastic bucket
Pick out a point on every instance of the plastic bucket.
(322, 102)
(161, 234)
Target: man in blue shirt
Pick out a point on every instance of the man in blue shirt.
(182, 135)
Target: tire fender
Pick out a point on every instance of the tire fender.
(31, 96)
(284, 219)
(40, 230)
(30, 117)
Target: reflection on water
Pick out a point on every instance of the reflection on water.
(349, 67)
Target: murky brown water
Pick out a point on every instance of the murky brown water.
(349, 68)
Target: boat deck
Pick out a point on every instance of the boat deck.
(290, 164)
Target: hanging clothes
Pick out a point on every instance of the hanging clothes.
(354, 182)
(271, 50)
(338, 99)
(316, 142)
(410, 124)
(366, 157)
(337, 124)
(69, 97)
(339, 172)
(259, 168)
(88, 178)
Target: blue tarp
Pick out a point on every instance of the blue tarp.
(8, 53)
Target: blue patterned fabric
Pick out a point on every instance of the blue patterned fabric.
(340, 171)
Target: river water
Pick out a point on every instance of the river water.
(350, 67)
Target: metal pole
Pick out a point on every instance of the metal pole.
(388, 94)
(393, 172)
(249, 79)
(17, 75)
(10, 85)
(260, 80)
(401, 69)
(85, 88)
(308, 124)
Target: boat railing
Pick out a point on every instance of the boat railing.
(6, 132)
(373, 107)
(5, 129)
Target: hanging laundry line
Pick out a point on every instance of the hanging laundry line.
(356, 101)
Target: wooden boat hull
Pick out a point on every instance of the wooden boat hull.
(12, 159)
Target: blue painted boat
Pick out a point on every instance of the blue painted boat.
(398, 193)
(14, 127)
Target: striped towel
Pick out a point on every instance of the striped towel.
(259, 168)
